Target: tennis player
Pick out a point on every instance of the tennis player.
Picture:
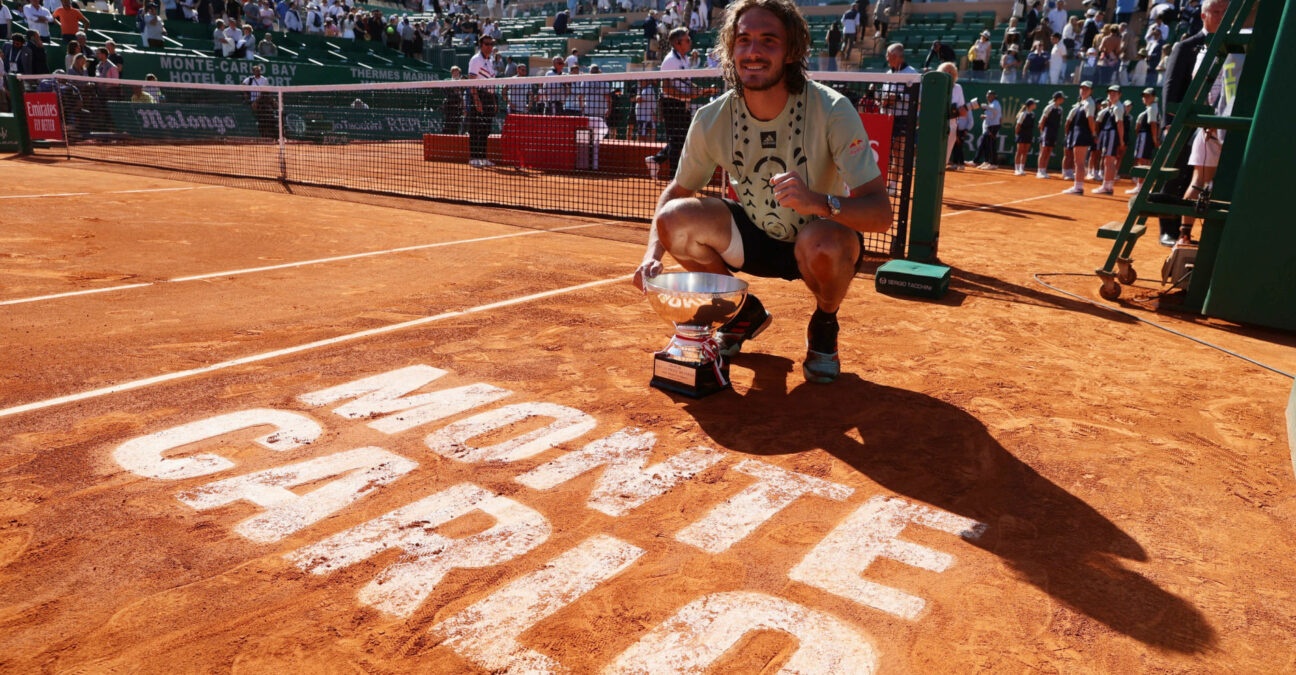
(802, 168)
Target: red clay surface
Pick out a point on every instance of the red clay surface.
(1131, 489)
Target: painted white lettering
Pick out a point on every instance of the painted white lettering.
(452, 441)
(402, 587)
(627, 482)
(143, 456)
(386, 393)
(837, 563)
(700, 633)
(740, 515)
(487, 632)
(366, 469)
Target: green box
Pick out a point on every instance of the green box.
(905, 277)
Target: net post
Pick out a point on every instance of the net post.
(929, 183)
(283, 149)
(20, 114)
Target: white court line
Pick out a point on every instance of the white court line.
(302, 263)
(110, 192)
(169, 377)
(404, 249)
(994, 206)
(72, 293)
(977, 185)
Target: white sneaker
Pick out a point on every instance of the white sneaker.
(1132, 191)
(1068, 175)
(474, 162)
(485, 162)
(1090, 176)
(1104, 190)
(1074, 191)
(1041, 174)
(652, 166)
(1019, 172)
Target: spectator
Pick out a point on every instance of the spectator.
(940, 53)
(247, 44)
(1071, 36)
(1057, 58)
(1037, 65)
(572, 94)
(6, 21)
(70, 21)
(73, 50)
(1010, 66)
(18, 56)
(1033, 17)
(958, 109)
(650, 37)
(834, 40)
(218, 38)
(573, 59)
(552, 93)
(453, 107)
(314, 24)
(1135, 72)
(676, 95)
(1057, 16)
(560, 22)
(39, 57)
(521, 97)
(987, 155)
(80, 66)
(291, 21)
(38, 19)
(851, 25)
(1092, 26)
(1087, 70)
(105, 68)
(266, 47)
(1024, 133)
(1012, 36)
(979, 56)
(881, 19)
(139, 95)
(645, 105)
(153, 28)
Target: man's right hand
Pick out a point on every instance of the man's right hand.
(647, 269)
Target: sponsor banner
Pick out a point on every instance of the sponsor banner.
(377, 124)
(189, 122)
(879, 128)
(44, 122)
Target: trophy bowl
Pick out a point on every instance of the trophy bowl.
(696, 303)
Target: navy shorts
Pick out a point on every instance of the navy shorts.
(764, 256)
(1143, 147)
(1108, 143)
(1048, 139)
(1026, 138)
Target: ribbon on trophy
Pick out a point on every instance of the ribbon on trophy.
(711, 348)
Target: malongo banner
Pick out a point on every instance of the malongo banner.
(183, 121)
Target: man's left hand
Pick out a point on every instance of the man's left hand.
(792, 192)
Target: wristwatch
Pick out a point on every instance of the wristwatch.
(834, 205)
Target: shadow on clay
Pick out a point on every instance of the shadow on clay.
(932, 452)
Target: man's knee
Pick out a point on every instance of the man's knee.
(827, 248)
(683, 220)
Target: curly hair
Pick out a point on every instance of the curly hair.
(798, 41)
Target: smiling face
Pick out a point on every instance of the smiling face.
(760, 50)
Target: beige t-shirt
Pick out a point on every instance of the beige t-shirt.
(819, 135)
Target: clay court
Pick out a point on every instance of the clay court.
(1009, 479)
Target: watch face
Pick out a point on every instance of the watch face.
(834, 204)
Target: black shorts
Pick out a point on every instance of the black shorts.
(764, 256)
(1143, 147)
(1108, 143)
(1026, 138)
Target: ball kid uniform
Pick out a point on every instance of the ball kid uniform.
(1109, 121)
(818, 134)
(1052, 117)
(1080, 134)
(1144, 145)
(1025, 126)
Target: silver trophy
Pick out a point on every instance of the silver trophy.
(696, 303)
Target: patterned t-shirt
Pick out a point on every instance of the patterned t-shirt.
(819, 135)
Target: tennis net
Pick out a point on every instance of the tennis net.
(573, 144)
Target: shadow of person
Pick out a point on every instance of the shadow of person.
(932, 452)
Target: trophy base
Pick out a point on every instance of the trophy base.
(690, 379)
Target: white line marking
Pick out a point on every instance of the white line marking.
(72, 293)
(110, 192)
(354, 256)
(303, 263)
(992, 206)
(975, 185)
(169, 377)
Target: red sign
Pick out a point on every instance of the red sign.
(43, 119)
(878, 127)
